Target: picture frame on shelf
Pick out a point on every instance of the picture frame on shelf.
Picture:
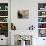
(3, 6)
(41, 25)
(42, 32)
(41, 19)
(4, 29)
(41, 6)
(3, 19)
(41, 13)
(3, 13)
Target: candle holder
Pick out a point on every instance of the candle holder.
(31, 27)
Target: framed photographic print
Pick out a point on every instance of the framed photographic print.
(23, 14)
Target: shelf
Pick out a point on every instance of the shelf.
(41, 10)
(3, 10)
(41, 28)
(3, 22)
(3, 16)
(41, 22)
(42, 16)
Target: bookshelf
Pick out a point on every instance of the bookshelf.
(42, 19)
(4, 19)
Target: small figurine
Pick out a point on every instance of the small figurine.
(13, 27)
(31, 27)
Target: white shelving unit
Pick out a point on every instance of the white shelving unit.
(4, 23)
(3, 39)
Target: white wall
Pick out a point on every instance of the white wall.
(23, 24)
